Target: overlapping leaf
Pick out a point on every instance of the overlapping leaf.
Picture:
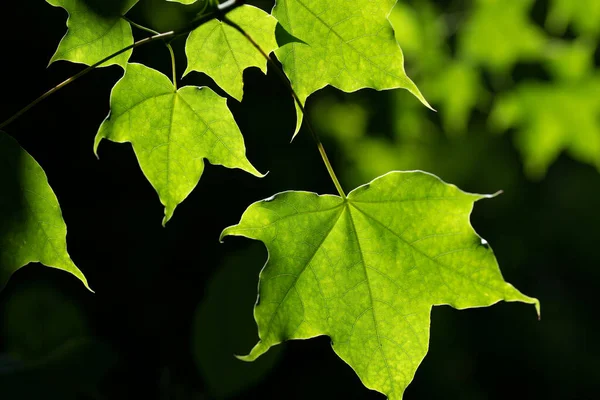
(96, 30)
(223, 53)
(367, 270)
(32, 228)
(350, 44)
(172, 131)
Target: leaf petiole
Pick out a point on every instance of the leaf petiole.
(173, 65)
(284, 79)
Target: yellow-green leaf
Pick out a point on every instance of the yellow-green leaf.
(172, 132)
(350, 45)
(366, 271)
(223, 53)
(94, 32)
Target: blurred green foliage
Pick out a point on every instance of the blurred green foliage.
(473, 61)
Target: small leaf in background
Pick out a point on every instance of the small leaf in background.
(95, 31)
(172, 132)
(366, 271)
(499, 33)
(350, 45)
(223, 326)
(551, 119)
(583, 15)
(32, 228)
(457, 90)
(223, 53)
(571, 61)
(422, 33)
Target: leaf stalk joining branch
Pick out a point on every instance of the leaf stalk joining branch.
(284, 79)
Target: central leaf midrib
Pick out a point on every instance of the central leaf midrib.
(374, 314)
(333, 225)
(237, 64)
(139, 103)
(170, 131)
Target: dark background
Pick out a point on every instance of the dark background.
(172, 305)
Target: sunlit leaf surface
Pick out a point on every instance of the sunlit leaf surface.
(366, 271)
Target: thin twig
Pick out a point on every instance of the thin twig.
(220, 11)
(84, 72)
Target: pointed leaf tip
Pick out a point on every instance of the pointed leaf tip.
(356, 30)
(222, 52)
(173, 132)
(34, 227)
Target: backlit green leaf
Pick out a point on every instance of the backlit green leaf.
(223, 53)
(172, 132)
(32, 228)
(367, 271)
(94, 32)
(350, 44)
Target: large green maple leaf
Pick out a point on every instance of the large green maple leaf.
(223, 53)
(172, 132)
(367, 270)
(349, 44)
(95, 31)
(32, 228)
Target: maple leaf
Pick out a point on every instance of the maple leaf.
(172, 131)
(93, 35)
(367, 270)
(32, 228)
(349, 44)
(223, 53)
